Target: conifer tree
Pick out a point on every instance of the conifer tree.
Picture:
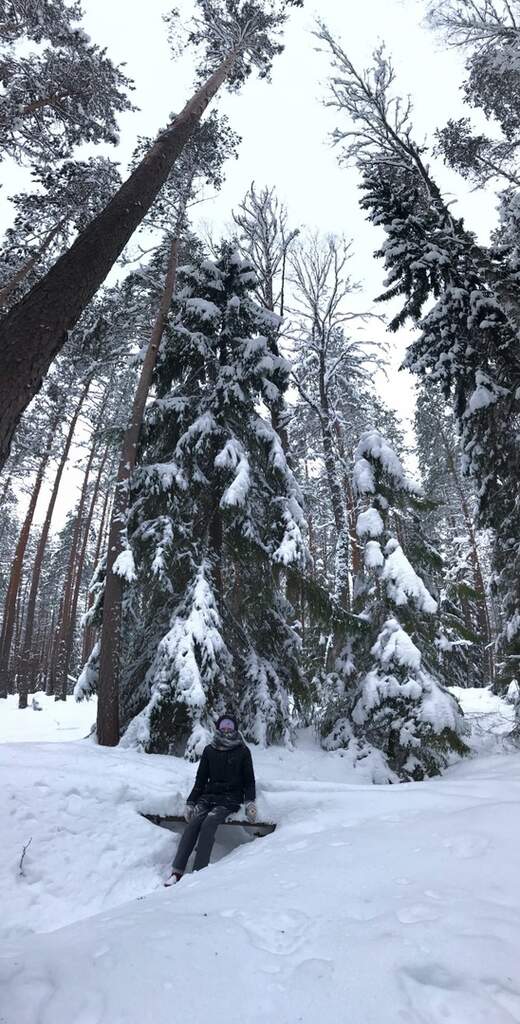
(393, 704)
(62, 92)
(215, 518)
(468, 342)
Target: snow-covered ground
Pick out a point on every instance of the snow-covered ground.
(367, 905)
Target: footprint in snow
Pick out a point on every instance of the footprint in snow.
(280, 933)
(506, 996)
(466, 846)
(361, 910)
(436, 996)
(417, 912)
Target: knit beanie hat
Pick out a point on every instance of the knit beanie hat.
(228, 722)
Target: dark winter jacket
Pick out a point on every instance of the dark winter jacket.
(225, 773)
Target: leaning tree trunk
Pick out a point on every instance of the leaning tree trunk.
(13, 587)
(26, 672)
(109, 654)
(36, 328)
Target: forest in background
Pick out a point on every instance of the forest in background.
(247, 531)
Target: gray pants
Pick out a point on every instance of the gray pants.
(207, 816)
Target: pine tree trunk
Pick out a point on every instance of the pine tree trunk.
(79, 568)
(36, 328)
(342, 587)
(26, 666)
(109, 656)
(6, 636)
(21, 606)
(47, 635)
(50, 688)
(60, 691)
(355, 548)
(88, 633)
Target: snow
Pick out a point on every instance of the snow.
(369, 523)
(403, 582)
(202, 308)
(374, 445)
(124, 565)
(393, 644)
(234, 457)
(370, 904)
(363, 477)
(373, 555)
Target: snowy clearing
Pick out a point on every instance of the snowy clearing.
(369, 904)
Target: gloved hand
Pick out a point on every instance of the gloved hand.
(251, 812)
(189, 811)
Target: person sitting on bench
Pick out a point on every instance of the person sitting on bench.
(225, 779)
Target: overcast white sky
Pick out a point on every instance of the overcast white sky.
(284, 125)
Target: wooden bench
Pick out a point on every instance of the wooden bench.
(170, 821)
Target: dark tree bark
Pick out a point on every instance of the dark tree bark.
(108, 685)
(6, 636)
(26, 667)
(60, 684)
(79, 567)
(88, 632)
(36, 328)
(53, 652)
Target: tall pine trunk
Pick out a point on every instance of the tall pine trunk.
(342, 584)
(26, 659)
(88, 632)
(13, 587)
(36, 328)
(60, 684)
(109, 655)
(80, 564)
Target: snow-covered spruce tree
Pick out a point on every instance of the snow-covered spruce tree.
(394, 707)
(215, 517)
(469, 339)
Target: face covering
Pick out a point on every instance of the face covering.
(226, 738)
